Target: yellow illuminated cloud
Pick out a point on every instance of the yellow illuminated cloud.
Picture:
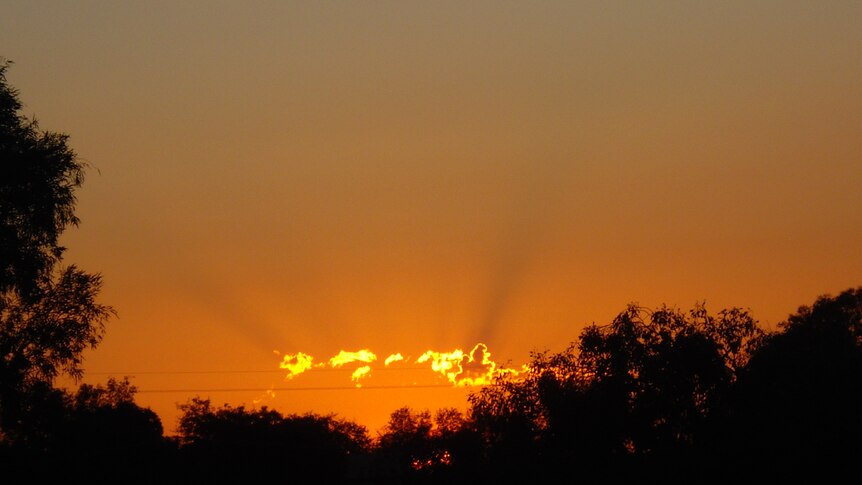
(360, 373)
(460, 368)
(446, 363)
(345, 357)
(393, 358)
(296, 364)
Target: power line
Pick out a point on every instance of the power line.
(321, 388)
(189, 372)
(250, 371)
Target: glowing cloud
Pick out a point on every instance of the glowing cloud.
(477, 369)
(393, 358)
(473, 369)
(360, 373)
(363, 355)
(446, 363)
(460, 368)
(296, 364)
(269, 394)
(345, 357)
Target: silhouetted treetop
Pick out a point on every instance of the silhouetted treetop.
(39, 174)
(841, 315)
(48, 315)
(797, 406)
(228, 444)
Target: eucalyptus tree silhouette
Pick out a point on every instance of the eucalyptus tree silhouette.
(797, 409)
(48, 314)
(632, 399)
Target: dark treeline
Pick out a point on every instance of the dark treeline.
(656, 396)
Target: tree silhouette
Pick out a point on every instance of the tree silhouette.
(98, 432)
(413, 447)
(663, 367)
(458, 444)
(48, 314)
(797, 409)
(509, 416)
(109, 438)
(638, 393)
(231, 444)
(404, 444)
(39, 174)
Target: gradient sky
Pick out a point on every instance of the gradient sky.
(405, 176)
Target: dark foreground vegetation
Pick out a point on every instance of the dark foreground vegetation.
(655, 396)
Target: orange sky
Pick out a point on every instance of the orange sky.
(412, 176)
